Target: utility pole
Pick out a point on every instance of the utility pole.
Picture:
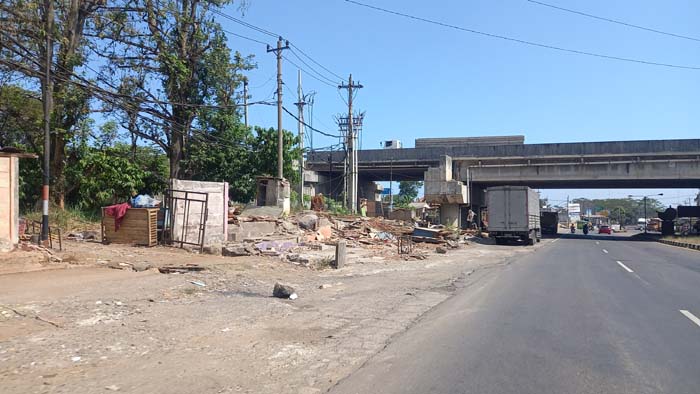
(280, 140)
(310, 103)
(245, 101)
(48, 98)
(645, 215)
(300, 106)
(352, 147)
(391, 185)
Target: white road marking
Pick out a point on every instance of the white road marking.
(597, 242)
(690, 316)
(605, 251)
(624, 266)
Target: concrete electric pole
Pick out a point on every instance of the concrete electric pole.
(300, 106)
(245, 101)
(280, 139)
(48, 98)
(352, 148)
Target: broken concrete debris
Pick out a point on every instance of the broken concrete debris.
(283, 291)
(308, 238)
(308, 222)
(180, 269)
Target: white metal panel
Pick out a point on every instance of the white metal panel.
(510, 208)
(496, 202)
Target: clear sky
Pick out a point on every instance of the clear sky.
(422, 80)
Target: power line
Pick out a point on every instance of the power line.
(246, 24)
(312, 128)
(311, 68)
(272, 34)
(308, 73)
(317, 63)
(614, 21)
(525, 42)
(242, 36)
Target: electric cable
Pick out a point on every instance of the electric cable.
(521, 41)
(614, 21)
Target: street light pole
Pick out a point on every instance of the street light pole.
(645, 207)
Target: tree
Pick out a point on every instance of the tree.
(25, 26)
(216, 158)
(628, 210)
(408, 191)
(20, 118)
(178, 45)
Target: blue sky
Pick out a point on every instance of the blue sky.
(424, 80)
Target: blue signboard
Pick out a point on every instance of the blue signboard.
(386, 191)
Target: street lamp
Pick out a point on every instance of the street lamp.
(645, 206)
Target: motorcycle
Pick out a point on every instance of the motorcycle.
(573, 229)
(585, 230)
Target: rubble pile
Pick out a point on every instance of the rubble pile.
(309, 238)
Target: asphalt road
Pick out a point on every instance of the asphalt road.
(568, 318)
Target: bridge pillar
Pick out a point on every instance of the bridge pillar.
(442, 189)
(372, 191)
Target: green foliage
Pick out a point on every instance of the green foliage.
(408, 190)
(224, 157)
(176, 52)
(21, 118)
(103, 179)
(233, 154)
(335, 207)
(626, 210)
(264, 149)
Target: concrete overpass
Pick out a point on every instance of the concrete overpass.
(457, 172)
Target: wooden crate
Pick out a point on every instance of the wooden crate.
(139, 227)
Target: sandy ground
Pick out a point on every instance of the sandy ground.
(85, 328)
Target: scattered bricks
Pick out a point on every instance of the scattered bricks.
(324, 232)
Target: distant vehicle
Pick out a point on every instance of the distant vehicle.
(604, 229)
(549, 222)
(641, 224)
(514, 213)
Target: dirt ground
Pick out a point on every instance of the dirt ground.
(81, 327)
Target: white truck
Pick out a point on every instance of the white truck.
(513, 214)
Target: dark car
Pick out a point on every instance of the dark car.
(604, 230)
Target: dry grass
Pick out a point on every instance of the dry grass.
(68, 219)
(692, 239)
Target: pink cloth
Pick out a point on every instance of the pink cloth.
(117, 212)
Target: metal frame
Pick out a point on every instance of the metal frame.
(35, 224)
(172, 201)
(405, 244)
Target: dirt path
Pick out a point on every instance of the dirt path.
(139, 332)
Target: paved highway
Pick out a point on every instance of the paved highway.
(577, 316)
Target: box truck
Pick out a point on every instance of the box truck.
(514, 214)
